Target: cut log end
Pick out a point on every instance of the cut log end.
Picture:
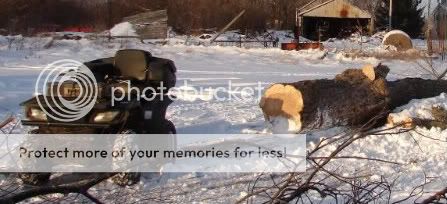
(398, 39)
(283, 101)
(368, 71)
(394, 121)
(373, 73)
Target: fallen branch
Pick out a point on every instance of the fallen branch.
(359, 158)
(323, 180)
(6, 121)
(439, 120)
(67, 183)
(436, 197)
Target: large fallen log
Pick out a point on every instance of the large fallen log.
(351, 99)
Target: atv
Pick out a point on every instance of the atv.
(128, 116)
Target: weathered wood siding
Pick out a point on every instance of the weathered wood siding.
(150, 25)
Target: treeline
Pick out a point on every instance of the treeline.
(192, 15)
(29, 16)
(185, 16)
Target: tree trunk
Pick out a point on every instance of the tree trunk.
(351, 99)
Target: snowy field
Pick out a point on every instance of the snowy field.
(419, 157)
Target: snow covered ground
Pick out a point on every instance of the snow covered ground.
(21, 61)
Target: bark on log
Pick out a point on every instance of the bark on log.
(351, 99)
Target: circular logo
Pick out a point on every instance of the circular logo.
(69, 90)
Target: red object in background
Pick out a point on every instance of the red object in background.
(83, 29)
(289, 46)
(310, 45)
(46, 29)
(301, 46)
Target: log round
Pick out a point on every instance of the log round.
(398, 39)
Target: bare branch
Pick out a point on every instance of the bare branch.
(61, 185)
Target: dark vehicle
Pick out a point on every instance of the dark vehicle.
(131, 115)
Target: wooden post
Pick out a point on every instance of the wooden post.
(298, 28)
(428, 33)
(371, 26)
(109, 20)
(227, 26)
(301, 25)
(390, 21)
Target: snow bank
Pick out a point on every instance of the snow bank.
(123, 29)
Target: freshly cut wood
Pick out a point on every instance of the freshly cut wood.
(282, 101)
(351, 99)
(395, 120)
(439, 119)
(418, 122)
(373, 73)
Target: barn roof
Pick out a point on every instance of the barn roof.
(332, 9)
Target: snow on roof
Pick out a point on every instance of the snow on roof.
(312, 4)
(123, 29)
(334, 9)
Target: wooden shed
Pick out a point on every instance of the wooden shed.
(322, 19)
(151, 24)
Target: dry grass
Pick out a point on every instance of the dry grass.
(389, 54)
